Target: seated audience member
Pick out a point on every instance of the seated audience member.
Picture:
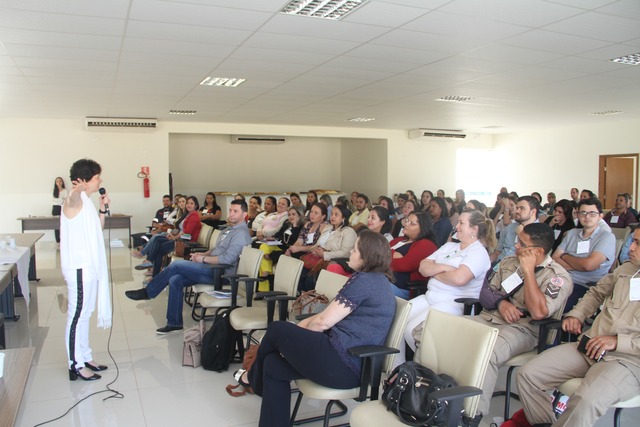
(620, 216)
(287, 236)
(441, 225)
(160, 237)
(561, 221)
(408, 207)
(380, 222)
(538, 197)
(402, 199)
(460, 202)
(311, 231)
(452, 211)
(178, 209)
(240, 197)
(527, 210)
(342, 200)
(507, 214)
(588, 252)
(540, 290)
(211, 213)
(336, 243)
(456, 270)
(269, 208)
(575, 195)
(387, 203)
(551, 203)
(417, 243)
(624, 250)
(160, 217)
(440, 193)
(272, 222)
(354, 196)
(412, 196)
(255, 209)
(610, 365)
(476, 205)
(295, 200)
(587, 194)
(163, 245)
(312, 197)
(499, 207)
(180, 274)
(630, 207)
(316, 348)
(358, 219)
(425, 198)
(326, 200)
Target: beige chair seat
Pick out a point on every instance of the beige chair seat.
(572, 385)
(250, 317)
(375, 415)
(316, 391)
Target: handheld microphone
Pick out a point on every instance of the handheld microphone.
(102, 192)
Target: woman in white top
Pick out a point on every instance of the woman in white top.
(456, 270)
(59, 194)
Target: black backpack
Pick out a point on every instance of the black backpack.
(219, 344)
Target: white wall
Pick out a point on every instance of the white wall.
(209, 162)
(364, 167)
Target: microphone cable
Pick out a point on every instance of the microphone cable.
(115, 394)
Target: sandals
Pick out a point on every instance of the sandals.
(246, 386)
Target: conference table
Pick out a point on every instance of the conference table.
(24, 258)
(17, 365)
(115, 221)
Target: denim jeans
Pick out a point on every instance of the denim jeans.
(401, 293)
(178, 275)
(150, 248)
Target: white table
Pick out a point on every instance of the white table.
(20, 256)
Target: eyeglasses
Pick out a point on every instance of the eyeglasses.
(406, 221)
(590, 214)
(523, 245)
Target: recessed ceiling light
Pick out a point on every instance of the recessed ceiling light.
(361, 119)
(222, 81)
(183, 112)
(632, 59)
(454, 98)
(326, 9)
(606, 113)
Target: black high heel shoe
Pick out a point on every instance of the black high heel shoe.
(95, 368)
(75, 374)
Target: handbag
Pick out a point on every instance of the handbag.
(311, 260)
(192, 347)
(249, 357)
(407, 393)
(309, 302)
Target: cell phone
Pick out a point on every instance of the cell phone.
(582, 347)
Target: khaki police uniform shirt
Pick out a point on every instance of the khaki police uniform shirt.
(553, 280)
(619, 315)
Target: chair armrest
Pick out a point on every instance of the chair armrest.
(371, 357)
(544, 327)
(454, 396)
(249, 283)
(233, 276)
(267, 295)
(472, 306)
(282, 298)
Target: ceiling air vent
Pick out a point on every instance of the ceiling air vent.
(436, 134)
(257, 139)
(103, 123)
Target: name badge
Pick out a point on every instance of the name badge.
(398, 245)
(556, 234)
(634, 290)
(511, 282)
(583, 247)
(614, 219)
(310, 237)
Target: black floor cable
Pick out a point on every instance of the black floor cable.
(115, 393)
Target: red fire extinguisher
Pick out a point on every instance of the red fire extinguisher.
(144, 174)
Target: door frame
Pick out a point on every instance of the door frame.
(602, 174)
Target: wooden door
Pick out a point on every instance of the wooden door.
(617, 175)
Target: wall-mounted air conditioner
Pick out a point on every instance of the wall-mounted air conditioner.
(436, 134)
(105, 123)
(257, 139)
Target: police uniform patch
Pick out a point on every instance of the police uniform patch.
(553, 289)
(557, 281)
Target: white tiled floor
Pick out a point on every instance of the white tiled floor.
(158, 390)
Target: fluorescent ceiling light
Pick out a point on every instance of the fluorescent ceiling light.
(183, 112)
(222, 81)
(454, 98)
(606, 113)
(326, 9)
(361, 119)
(632, 59)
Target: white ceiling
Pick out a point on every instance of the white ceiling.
(527, 63)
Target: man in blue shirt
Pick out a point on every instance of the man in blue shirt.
(181, 274)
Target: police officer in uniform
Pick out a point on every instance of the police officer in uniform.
(526, 286)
